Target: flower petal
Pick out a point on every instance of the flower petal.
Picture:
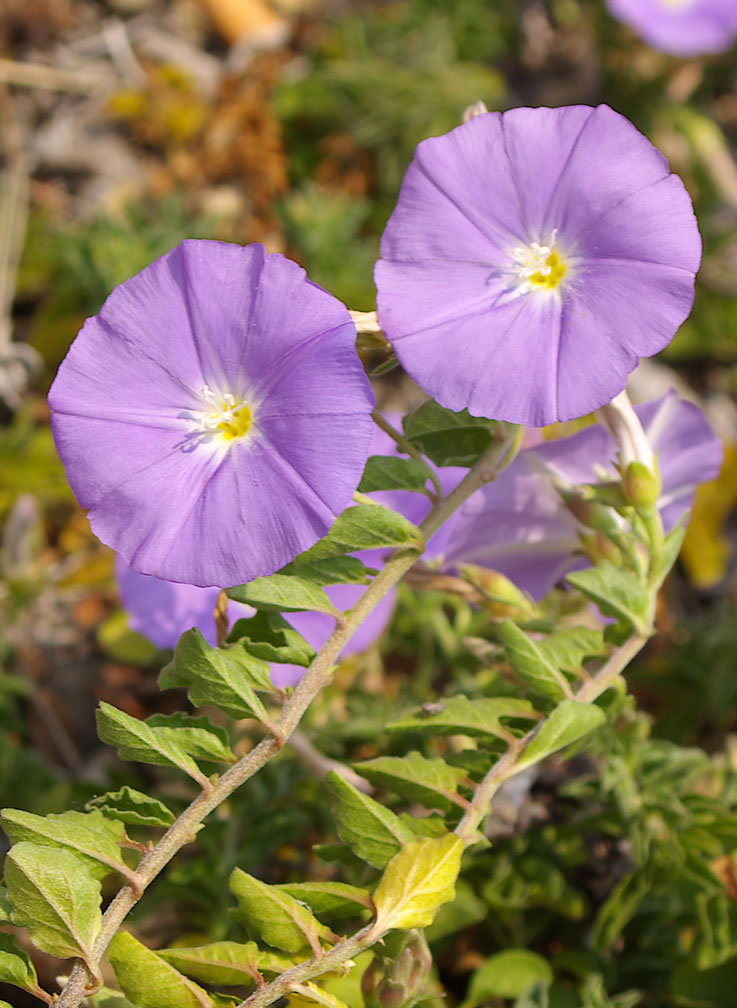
(615, 313)
(497, 363)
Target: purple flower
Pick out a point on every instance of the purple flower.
(519, 525)
(681, 27)
(532, 258)
(214, 417)
(163, 610)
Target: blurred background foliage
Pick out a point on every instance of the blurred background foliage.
(127, 125)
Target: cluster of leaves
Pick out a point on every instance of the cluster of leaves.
(401, 854)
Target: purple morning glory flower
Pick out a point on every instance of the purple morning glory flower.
(214, 417)
(519, 525)
(532, 258)
(162, 610)
(681, 27)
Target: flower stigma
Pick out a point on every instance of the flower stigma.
(538, 267)
(227, 418)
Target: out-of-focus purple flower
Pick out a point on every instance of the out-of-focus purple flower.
(532, 258)
(519, 525)
(214, 417)
(162, 610)
(681, 27)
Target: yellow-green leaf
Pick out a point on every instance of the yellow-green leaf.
(372, 831)
(275, 916)
(56, 898)
(307, 995)
(148, 981)
(226, 963)
(416, 882)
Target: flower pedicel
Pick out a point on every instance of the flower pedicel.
(532, 258)
(214, 417)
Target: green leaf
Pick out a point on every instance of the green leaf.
(199, 735)
(384, 472)
(567, 723)
(330, 570)
(617, 593)
(107, 998)
(132, 807)
(227, 678)
(275, 916)
(16, 967)
(669, 554)
(711, 988)
(447, 438)
(93, 838)
(508, 974)
(362, 527)
(429, 781)
(338, 853)
(226, 963)
(427, 826)
(150, 982)
(567, 647)
(479, 718)
(618, 910)
(531, 664)
(329, 899)
(135, 740)
(416, 882)
(271, 638)
(56, 898)
(307, 995)
(373, 832)
(6, 907)
(282, 593)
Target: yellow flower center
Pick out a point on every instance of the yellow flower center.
(227, 419)
(538, 267)
(551, 272)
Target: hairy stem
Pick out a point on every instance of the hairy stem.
(466, 829)
(405, 445)
(506, 767)
(183, 831)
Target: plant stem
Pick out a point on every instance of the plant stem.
(405, 445)
(499, 454)
(506, 766)
(466, 829)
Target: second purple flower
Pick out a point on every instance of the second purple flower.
(532, 258)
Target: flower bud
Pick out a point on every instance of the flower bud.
(503, 597)
(590, 513)
(598, 547)
(403, 977)
(641, 485)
